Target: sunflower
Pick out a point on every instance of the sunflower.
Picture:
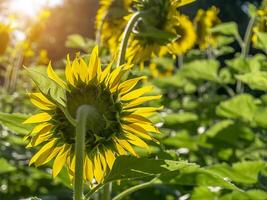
(4, 37)
(160, 71)
(260, 25)
(156, 30)
(204, 21)
(187, 35)
(122, 124)
(111, 21)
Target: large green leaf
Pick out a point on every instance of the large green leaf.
(47, 86)
(14, 122)
(248, 195)
(255, 80)
(245, 172)
(242, 106)
(166, 171)
(201, 70)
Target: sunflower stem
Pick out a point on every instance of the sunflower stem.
(81, 127)
(126, 36)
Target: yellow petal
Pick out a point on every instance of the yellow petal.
(46, 147)
(44, 127)
(52, 75)
(94, 64)
(69, 72)
(115, 76)
(38, 118)
(148, 127)
(120, 150)
(136, 141)
(103, 162)
(83, 71)
(126, 86)
(39, 100)
(110, 158)
(60, 161)
(141, 100)
(89, 169)
(132, 118)
(126, 146)
(38, 139)
(136, 93)
(106, 72)
(98, 172)
(144, 111)
(47, 156)
(136, 130)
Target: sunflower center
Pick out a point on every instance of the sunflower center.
(181, 31)
(105, 124)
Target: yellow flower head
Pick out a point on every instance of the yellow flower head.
(111, 21)
(4, 37)
(43, 57)
(187, 35)
(159, 71)
(157, 30)
(261, 24)
(123, 123)
(204, 21)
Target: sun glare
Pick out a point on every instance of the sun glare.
(31, 7)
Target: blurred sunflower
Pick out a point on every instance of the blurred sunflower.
(204, 21)
(121, 123)
(187, 35)
(111, 21)
(43, 57)
(4, 37)
(35, 31)
(159, 71)
(260, 25)
(156, 30)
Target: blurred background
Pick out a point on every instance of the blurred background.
(77, 17)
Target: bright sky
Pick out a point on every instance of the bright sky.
(31, 7)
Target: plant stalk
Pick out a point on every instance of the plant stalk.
(107, 191)
(134, 188)
(126, 36)
(248, 35)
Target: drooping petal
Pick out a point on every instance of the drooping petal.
(136, 130)
(110, 158)
(60, 161)
(89, 168)
(133, 118)
(47, 156)
(120, 150)
(38, 118)
(144, 111)
(44, 128)
(98, 171)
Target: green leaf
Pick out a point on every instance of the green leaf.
(260, 117)
(228, 28)
(14, 122)
(126, 167)
(180, 118)
(166, 171)
(255, 80)
(47, 86)
(6, 167)
(75, 41)
(242, 106)
(248, 195)
(245, 172)
(201, 70)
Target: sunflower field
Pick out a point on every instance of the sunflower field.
(133, 99)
